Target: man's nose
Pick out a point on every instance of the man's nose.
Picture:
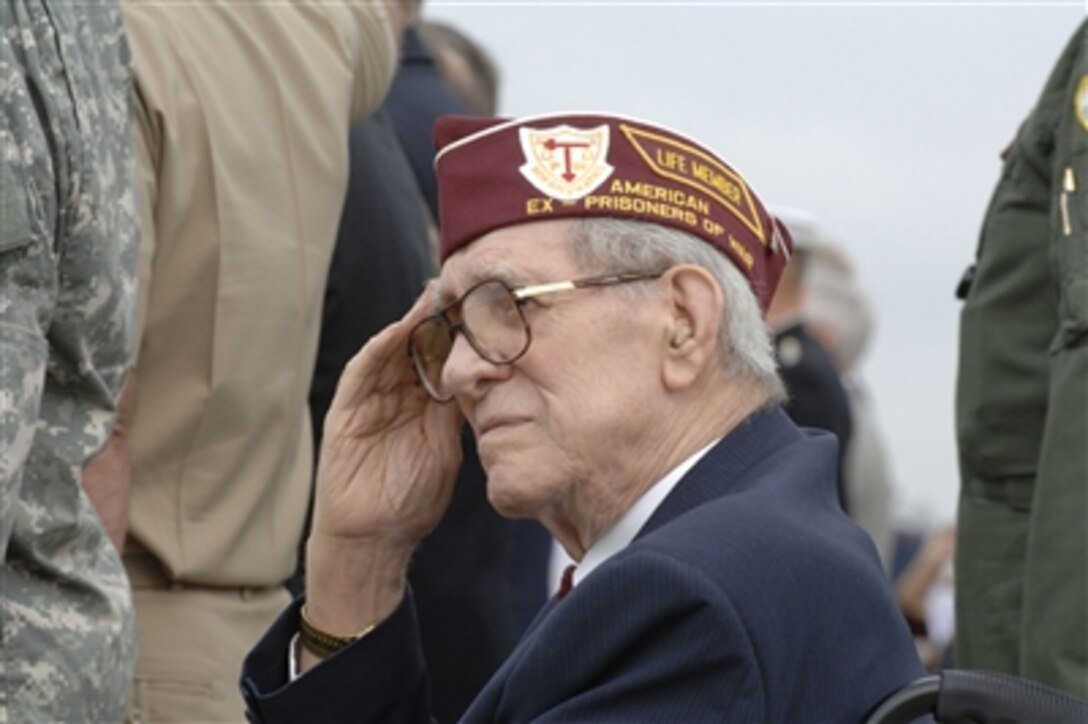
(466, 372)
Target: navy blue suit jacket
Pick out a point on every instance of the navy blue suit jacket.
(748, 596)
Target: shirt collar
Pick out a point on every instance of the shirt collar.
(620, 535)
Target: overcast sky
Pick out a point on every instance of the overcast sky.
(883, 120)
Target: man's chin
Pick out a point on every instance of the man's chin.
(508, 496)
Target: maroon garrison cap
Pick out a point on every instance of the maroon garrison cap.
(495, 172)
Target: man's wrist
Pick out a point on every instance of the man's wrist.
(351, 585)
(321, 643)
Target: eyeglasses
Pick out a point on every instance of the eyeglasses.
(491, 317)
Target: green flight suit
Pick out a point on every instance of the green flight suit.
(1022, 403)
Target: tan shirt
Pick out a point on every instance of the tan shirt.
(243, 115)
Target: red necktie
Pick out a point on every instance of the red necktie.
(566, 584)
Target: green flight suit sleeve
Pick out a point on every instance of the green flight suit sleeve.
(1022, 403)
(1054, 631)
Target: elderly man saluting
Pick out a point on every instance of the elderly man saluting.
(598, 321)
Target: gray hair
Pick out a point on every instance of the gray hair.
(606, 245)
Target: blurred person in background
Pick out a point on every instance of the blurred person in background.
(418, 96)
(1022, 402)
(839, 315)
(68, 245)
(816, 396)
(243, 113)
(465, 66)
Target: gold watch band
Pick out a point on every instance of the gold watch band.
(322, 643)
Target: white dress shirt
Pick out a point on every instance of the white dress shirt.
(624, 530)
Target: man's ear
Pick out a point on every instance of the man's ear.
(695, 314)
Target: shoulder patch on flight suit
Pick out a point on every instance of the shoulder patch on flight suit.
(1080, 102)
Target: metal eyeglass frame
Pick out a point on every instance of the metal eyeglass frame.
(520, 295)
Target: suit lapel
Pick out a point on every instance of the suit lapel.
(722, 471)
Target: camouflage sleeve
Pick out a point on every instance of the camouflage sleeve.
(27, 275)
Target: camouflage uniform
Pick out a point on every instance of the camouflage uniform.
(67, 269)
(1022, 403)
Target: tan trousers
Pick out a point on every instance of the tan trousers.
(192, 642)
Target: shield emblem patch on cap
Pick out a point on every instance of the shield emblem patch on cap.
(564, 162)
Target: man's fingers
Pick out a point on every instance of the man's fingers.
(447, 419)
(383, 363)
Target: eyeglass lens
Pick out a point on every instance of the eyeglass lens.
(491, 321)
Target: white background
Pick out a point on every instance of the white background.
(883, 120)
